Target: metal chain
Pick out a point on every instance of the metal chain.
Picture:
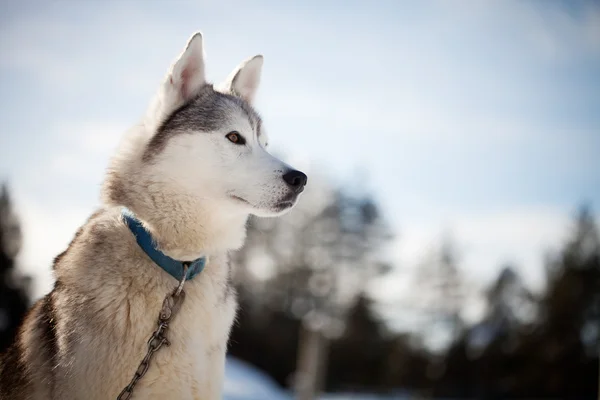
(170, 307)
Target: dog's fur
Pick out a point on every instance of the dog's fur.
(193, 189)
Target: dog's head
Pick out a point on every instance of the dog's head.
(209, 143)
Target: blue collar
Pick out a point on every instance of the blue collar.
(144, 239)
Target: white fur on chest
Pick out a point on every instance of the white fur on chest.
(112, 341)
(192, 367)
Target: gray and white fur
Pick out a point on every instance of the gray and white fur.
(192, 171)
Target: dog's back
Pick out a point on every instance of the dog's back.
(28, 362)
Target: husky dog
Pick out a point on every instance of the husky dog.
(190, 173)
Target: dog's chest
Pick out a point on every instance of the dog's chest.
(191, 367)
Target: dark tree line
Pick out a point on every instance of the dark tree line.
(14, 289)
(555, 354)
(542, 345)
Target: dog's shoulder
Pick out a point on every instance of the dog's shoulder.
(98, 247)
(97, 231)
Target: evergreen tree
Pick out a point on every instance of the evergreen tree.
(569, 333)
(14, 290)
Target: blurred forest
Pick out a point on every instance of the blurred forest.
(305, 311)
(307, 319)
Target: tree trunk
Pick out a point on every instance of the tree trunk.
(312, 363)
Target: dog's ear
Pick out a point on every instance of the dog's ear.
(187, 75)
(244, 80)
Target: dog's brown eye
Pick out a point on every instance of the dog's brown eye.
(235, 137)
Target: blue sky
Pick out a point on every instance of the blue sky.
(478, 119)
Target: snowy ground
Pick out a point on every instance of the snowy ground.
(244, 382)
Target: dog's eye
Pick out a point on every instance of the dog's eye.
(235, 137)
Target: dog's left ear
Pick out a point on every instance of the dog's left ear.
(244, 80)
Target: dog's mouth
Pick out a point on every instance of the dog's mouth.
(283, 205)
(287, 202)
(238, 198)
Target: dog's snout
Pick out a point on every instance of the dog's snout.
(296, 180)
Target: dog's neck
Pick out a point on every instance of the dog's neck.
(189, 236)
(184, 228)
(186, 233)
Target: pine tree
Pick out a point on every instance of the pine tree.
(14, 290)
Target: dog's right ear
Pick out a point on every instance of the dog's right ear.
(187, 75)
(244, 80)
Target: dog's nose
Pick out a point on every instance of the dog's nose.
(296, 180)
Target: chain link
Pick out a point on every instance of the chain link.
(170, 307)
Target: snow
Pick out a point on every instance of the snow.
(245, 382)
